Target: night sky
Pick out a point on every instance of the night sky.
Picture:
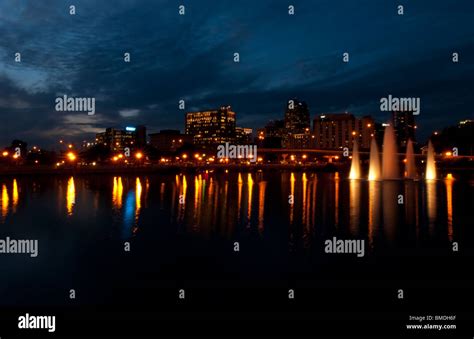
(190, 57)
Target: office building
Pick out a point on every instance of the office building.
(212, 127)
(335, 131)
(404, 126)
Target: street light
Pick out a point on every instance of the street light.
(71, 156)
(139, 155)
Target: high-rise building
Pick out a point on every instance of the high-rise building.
(404, 126)
(297, 125)
(296, 117)
(333, 131)
(212, 127)
(140, 135)
(169, 140)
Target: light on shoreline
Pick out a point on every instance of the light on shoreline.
(71, 156)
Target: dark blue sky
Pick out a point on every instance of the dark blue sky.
(191, 57)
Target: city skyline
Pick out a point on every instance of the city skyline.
(175, 57)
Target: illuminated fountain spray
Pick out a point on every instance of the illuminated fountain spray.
(430, 163)
(355, 166)
(374, 167)
(389, 158)
(410, 167)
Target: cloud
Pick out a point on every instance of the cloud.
(129, 113)
(191, 57)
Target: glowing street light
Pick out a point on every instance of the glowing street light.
(5, 154)
(139, 155)
(71, 156)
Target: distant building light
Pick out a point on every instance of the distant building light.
(130, 129)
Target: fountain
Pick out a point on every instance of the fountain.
(430, 163)
(389, 158)
(374, 167)
(410, 166)
(355, 166)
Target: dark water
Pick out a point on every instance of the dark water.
(82, 224)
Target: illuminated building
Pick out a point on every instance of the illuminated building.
(211, 127)
(404, 126)
(117, 139)
(334, 131)
(296, 117)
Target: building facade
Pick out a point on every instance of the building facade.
(297, 118)
(271, 136)
(335, 131)
(212, 127)
(117, 139)
(404, 126)
(243, 136)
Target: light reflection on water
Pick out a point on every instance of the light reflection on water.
(70, 196)
(232, 203)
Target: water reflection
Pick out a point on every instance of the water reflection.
(374, 210)
(15, 196)
(250, 191)
(138, 198)
(226, 204)
(239, 198)
(70, 196)
(390, 207)
(182, 199)
(262, 185)
(5, 202)
(336, 193)
(304, 181)
(117, 193)
(198, 186)
(292, 193)
(354, 205)
(449, 204)
(431, 202)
